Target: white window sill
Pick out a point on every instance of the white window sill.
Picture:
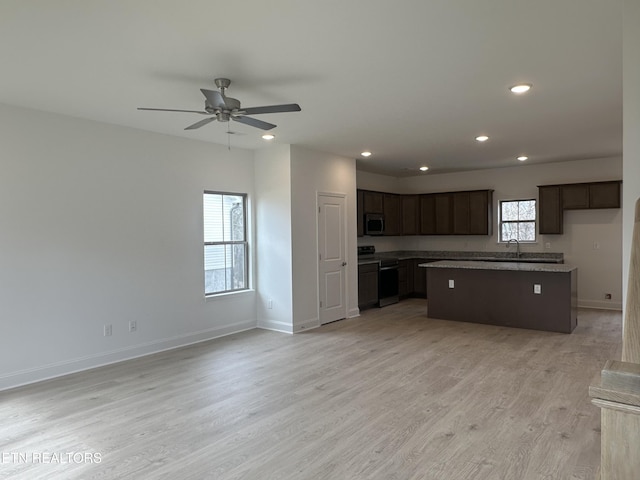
(228, 295)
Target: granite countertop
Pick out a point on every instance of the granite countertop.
(515, 266)
(504, 256)
(367, 261)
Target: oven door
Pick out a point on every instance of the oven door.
(388, 285)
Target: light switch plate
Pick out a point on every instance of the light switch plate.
(451, 284)
(537, 288)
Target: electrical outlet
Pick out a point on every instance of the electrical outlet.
(537, 288)
(133, 325)
(107, 330)
(596, 245)
(547, 245)
(452, 284)
(270, 304)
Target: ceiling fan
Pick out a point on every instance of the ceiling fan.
(223, 108)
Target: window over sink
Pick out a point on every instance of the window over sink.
(518, 220)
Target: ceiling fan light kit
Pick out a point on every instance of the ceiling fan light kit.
(223, 109)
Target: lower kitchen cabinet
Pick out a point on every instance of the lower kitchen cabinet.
(419, 278)
(367, 285)
(405, 278)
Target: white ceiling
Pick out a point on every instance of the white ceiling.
(414, 81)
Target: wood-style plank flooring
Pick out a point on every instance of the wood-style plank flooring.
(389, 395)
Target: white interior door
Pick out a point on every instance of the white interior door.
(332, 258)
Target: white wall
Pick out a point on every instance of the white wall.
(312, 173)
(378, 182)
(631, 102)
(599, 270)
(102, 225)
(273, 242)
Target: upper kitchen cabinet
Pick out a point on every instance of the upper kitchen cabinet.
(472, 212)
(410, 208)
(481, 212)
(372, 202)
(591, 195)
(554, 199)
(550, 209)
(360, 208)
(604, 194)
(575, 196)
(447, 213)
(444, 213)
(456, 213)
(392, 214)
(427, 214)
(461, 213)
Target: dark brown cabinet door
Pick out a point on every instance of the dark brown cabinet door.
(367, 285)
(480, 212)
(461, 213)
(392, 214)
(427, 214)
(372, 202)
(403, 287)
(550, 209)
(419, 278)
(410, 208)
(360, 213)
(444, 213)
(575, 196)
(604, 195)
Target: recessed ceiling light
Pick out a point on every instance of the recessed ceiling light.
(268, 136)
(520, 88)
(522, 158)
(482, 138)
(424, 168)
(366, 154)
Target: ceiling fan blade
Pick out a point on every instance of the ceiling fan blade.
(254, 122)
(214, 98)
(289, 107)
(201, 123)
(172, 110)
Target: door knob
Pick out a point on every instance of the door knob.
(344, 264)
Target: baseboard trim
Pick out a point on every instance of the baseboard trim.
(275, 326)
(306, 325)
(353, 313)
(600, 305)
(68, 367)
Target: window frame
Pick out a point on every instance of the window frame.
(244, 242)
(534, 221)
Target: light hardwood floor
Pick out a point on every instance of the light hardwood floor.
(389, 395)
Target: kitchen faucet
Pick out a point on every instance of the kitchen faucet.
(517, 246)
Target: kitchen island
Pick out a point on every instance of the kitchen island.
(538, 296)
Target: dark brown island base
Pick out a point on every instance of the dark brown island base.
(524, 295)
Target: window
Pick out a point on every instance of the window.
(518, 220)
(225, 242)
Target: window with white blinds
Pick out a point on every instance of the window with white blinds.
(225, 242)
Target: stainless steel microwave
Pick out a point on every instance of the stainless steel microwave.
(373, 224)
